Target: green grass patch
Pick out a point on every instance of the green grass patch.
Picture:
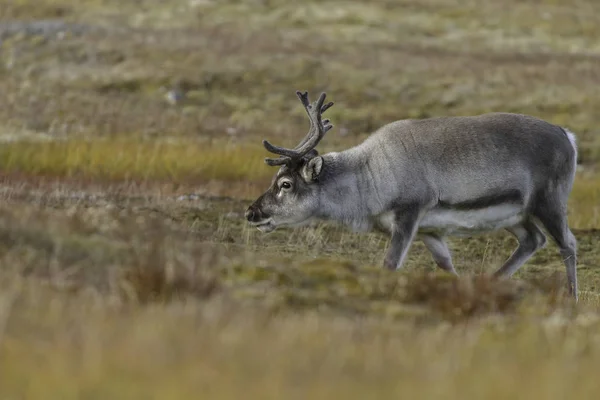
(136, 160)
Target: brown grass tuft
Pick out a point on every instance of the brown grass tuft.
(465, 296)
(151, 283)
(153, 279)
(469, 296)
(160, 273)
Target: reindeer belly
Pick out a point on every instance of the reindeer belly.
(464, 222)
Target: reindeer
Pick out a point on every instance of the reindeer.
(429, 179)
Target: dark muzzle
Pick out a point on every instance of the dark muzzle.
(253, 214)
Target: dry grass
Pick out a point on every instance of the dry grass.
(121, 303)
(80, 346)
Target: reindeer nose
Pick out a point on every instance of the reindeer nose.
(249, 214)
(255, 214)
(252, 214)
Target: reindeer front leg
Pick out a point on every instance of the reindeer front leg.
(403, 233)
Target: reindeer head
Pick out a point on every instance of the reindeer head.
(293, 197)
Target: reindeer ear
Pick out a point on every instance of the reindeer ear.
(312, 169)
(311, 153)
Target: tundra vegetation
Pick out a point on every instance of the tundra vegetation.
(130, 149)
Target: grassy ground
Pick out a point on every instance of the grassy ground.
(126, 269)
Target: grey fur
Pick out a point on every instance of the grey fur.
(437, 177)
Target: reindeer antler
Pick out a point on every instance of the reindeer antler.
(318, 128)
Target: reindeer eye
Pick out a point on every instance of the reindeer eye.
(286, 185)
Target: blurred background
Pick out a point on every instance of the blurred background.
(210, 72)
(130, 145)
